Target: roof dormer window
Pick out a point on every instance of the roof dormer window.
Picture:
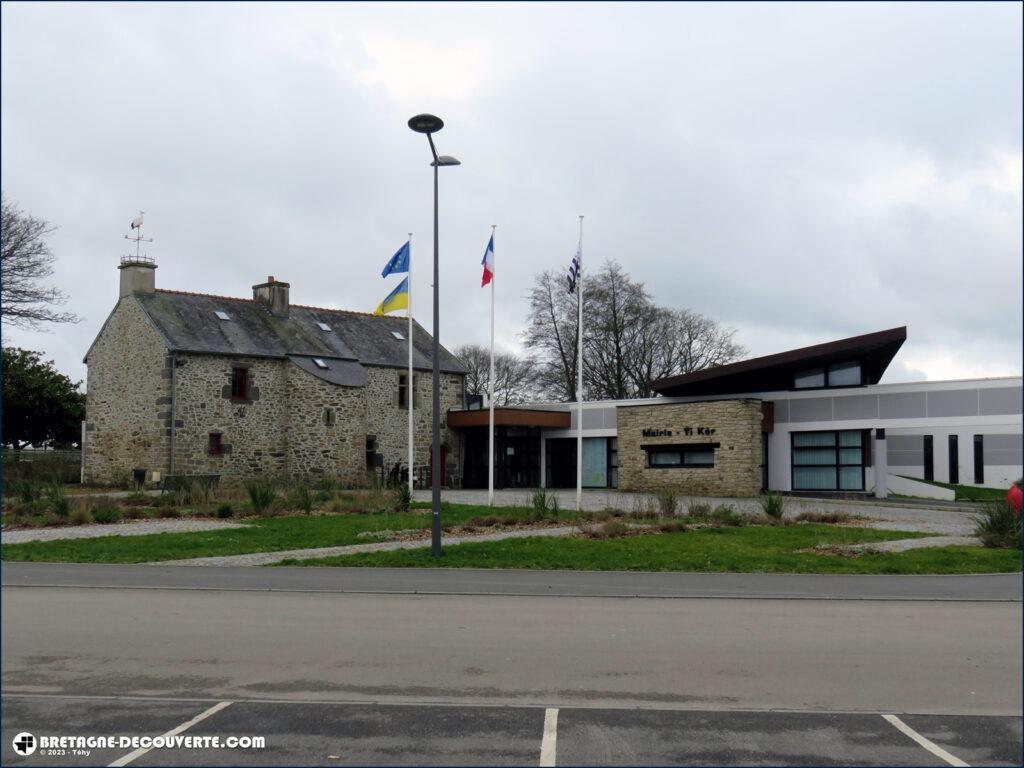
(398, 335)
(323, 326)
(222, 315)
(319, 363)
(846, 374)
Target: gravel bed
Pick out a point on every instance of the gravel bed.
(133, 528)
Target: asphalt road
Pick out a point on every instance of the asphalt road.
(362, 734)
(985, 587)
(908, 656)
(379, 674)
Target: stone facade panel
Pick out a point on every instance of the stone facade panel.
(737, 430)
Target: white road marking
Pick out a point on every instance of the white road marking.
(134, 755)
(931, 746)
(547, 744)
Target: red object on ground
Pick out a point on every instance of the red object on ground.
(1015, 498)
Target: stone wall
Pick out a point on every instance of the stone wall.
(737, 430)
(291, 423)
(254, 432)
(390, 424)
(127, 398)
(326, 431)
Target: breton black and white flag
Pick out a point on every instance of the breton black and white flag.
(574, 269)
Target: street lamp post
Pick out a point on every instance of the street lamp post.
(429, 124)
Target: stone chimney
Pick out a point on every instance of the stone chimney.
(272, 294)
(138, 275)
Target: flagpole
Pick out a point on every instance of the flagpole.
(490, 398)
(410, 389)
(579, 377)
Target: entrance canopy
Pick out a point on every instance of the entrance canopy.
(510, 417)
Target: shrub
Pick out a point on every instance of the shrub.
(725, 514)
(673, 526)
(136, 500)
(261, 495)
(997, 525)
(544, 504)
(51, 520)
(167, 512)
(225, 510)
(698, 509)
(773, 505)
(609, 529)
(80, 515)
(106, 514)
(645, 507)
(25, 489)
(134, 513)
(668, 501)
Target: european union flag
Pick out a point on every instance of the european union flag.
(399, 262)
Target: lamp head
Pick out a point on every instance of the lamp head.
(426, 123)
(446, 160)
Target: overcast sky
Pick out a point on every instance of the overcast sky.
(800, 172)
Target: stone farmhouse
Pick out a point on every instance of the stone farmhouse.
(194, 384)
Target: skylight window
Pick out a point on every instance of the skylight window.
(319, 363)
(398, 336)
(323, 326)
(222, 315)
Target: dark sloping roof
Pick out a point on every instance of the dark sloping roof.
(189, 324)
(775, 372)
(346, 373)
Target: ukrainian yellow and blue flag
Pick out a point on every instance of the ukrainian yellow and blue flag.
(397, 299)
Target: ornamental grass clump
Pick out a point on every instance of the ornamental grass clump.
(668, 501)
(262, 495)
(998, 525)
(57, 500)
(773, 505)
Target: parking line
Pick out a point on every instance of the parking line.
(931, 746)
(135, 754)
(547, 744)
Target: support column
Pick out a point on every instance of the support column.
(881, 465)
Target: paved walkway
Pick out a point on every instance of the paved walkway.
(946, 522)
(269, 558)
(134, 528)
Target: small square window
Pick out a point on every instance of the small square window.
(319, 363)
(215, 447)
(323, 326)
(398, 335)
(222, 315)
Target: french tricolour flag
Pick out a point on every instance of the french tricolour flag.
(488, 262)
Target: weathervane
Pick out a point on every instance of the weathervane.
(138, 239)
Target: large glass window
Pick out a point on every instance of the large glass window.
(828, 461)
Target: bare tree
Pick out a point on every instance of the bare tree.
(513, 375)
(629, 343)
(25, 262)
(551, 335)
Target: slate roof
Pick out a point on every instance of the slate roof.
(188, 323)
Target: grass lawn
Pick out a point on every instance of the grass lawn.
(747, 550)
(967, 492)
(260, 535)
